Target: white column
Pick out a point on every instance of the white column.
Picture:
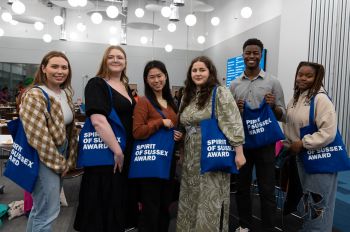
(294, 41)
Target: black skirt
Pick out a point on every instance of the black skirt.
(107, 201)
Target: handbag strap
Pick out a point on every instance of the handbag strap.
(312, 108)
(157, 108)
(110, 96)
(110, 93)
(213, 103)
(46, 96)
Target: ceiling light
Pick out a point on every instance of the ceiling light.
(201, 39)
(2, 32)
(112, 12)
(82, 3)
(73, 3)
(18, 7)
(73, 36)
(215, 21)
(58, 20)
(13, 22)
(143, 40)
(179, 2)
(139, 12)
(47, 38)
(6, 16)
(38, 26)
(246, 12)
(113, 30)
(113, 41)
(96, 18)
(174, 15)
(191, 20)
(171, 27)
(168, 48)
(165, 12)
(63, 35)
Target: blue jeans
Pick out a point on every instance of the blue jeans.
(318, 202)
(46, 198)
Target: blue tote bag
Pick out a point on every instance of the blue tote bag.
(23, 164)
(151, 157)
(216, 152)
(92, 151)
(260, 126)
(329, 159)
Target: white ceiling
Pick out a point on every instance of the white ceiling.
(183, 38)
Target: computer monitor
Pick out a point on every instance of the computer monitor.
(235, 67)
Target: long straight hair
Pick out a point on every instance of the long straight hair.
(104, 71)
(318, 82)
(205, 90)
(166, 93)
(41, 79)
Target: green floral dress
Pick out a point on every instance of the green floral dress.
(203, 196)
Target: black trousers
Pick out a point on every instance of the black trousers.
(156, 196)
(264, 160)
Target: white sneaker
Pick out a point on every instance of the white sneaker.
(240, 229)
(63, 199)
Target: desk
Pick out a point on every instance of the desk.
(3, 129)
(10, 116)
(6, 141)
(79, 125)
(7, 109)
(80, 117)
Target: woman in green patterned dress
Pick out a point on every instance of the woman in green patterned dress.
(204, 197)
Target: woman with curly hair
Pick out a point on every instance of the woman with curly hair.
(205, 197)
(319, 189)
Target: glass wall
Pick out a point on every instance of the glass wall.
(13, 76)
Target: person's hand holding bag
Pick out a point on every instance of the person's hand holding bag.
(240, 158)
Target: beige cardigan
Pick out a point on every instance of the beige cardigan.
(46, 131)
(297, 116)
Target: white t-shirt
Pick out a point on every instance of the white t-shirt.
(63, 100)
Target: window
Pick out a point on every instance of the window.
(13, 76)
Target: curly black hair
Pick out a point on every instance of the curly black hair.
(316, 86)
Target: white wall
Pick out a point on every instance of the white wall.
(232, 24)
(268, 33)
(86, 57)
(294, 41)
